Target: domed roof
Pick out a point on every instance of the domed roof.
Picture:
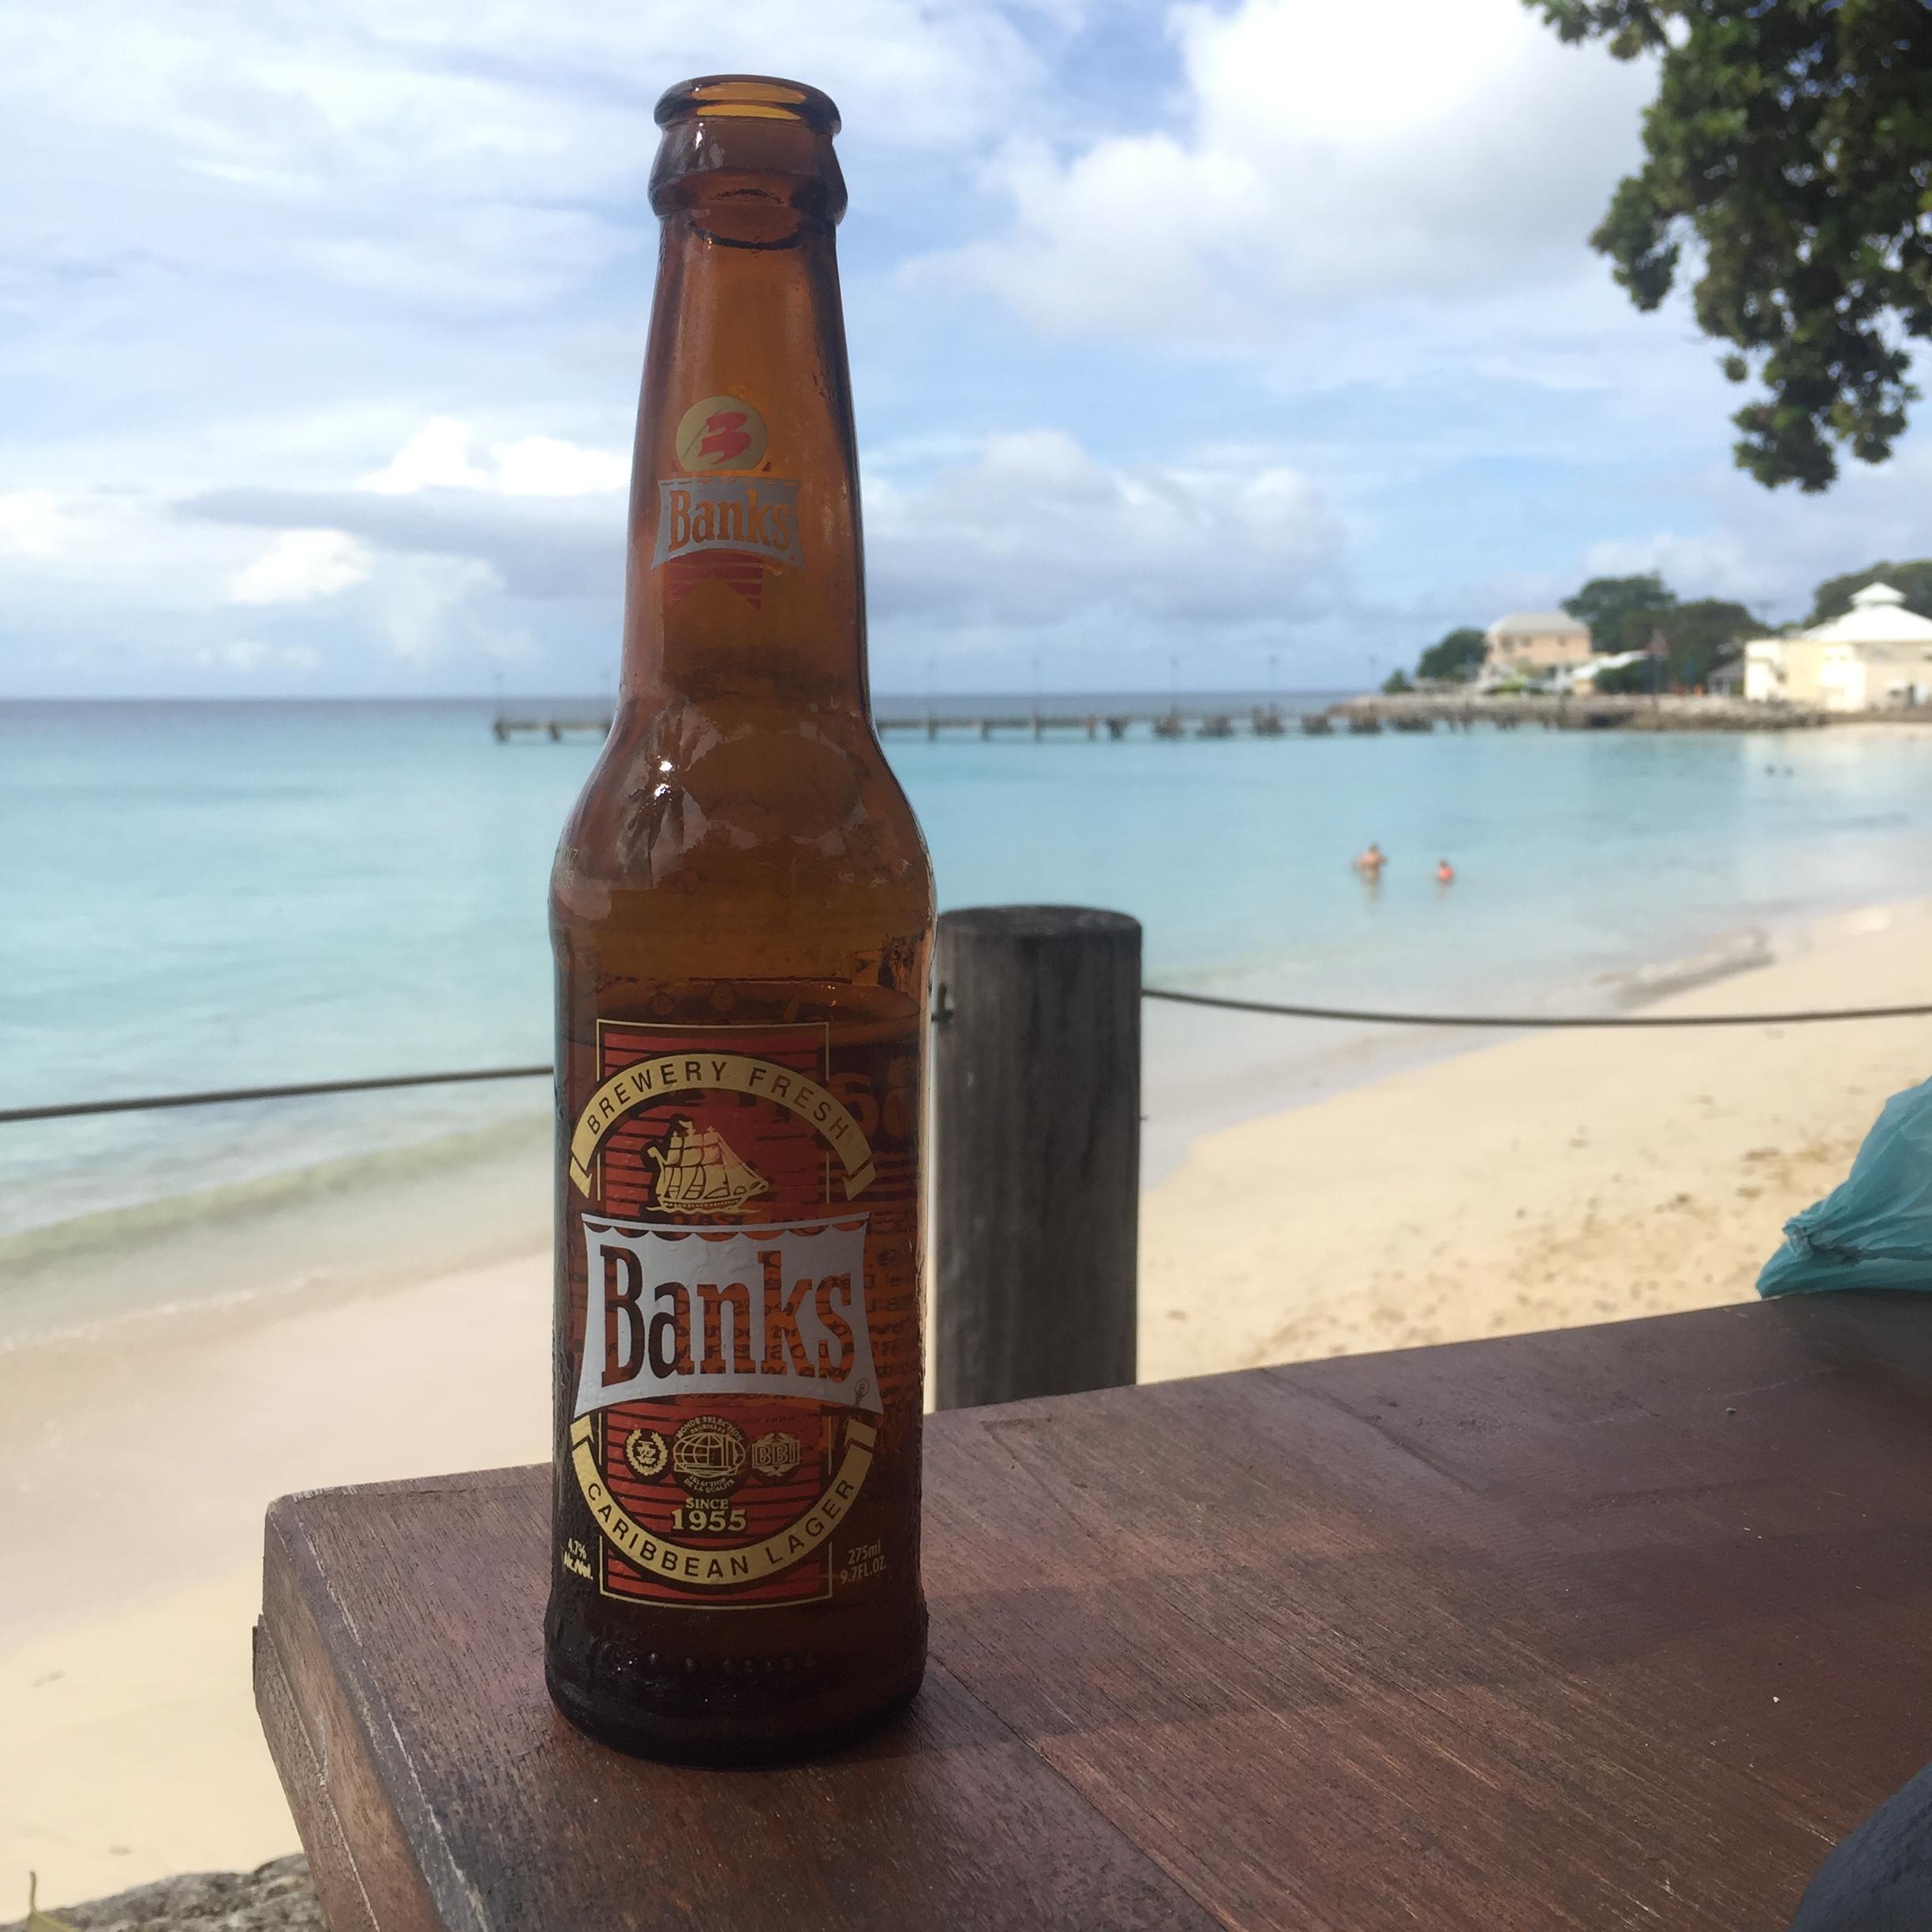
(1878, 615)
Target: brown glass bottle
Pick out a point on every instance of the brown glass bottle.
(742, 914)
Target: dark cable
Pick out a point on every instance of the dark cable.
(68, 1108)
(1362, 1015)
(1525, 1022)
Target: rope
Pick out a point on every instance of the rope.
(69, 1109)
(1525, 1022)
(1362, 1015)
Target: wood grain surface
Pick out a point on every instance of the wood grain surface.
(1620, 1626)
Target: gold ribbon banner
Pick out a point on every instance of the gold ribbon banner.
(719, 1569)
(657, 1079)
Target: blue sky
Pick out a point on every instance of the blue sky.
(1257, 333)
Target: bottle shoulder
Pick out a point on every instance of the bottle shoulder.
(729, 804)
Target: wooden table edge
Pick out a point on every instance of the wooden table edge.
(331, 1864)
(325, 1747)
(330, 1757)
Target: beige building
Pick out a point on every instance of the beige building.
(1877, 653)
(1535, 641)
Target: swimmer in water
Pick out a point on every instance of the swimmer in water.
(1370, 861)
(1445, 873)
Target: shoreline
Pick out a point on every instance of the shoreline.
(356, 1223)
(1545, 1180)
(1249, 1077)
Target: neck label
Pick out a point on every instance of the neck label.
(756, 516)
(726, 517)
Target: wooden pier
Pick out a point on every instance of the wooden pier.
(1261, 721)
(1365, 716)
(555, 726)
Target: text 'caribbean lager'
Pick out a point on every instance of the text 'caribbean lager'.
(742, 911)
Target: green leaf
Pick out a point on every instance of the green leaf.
(1791, 140)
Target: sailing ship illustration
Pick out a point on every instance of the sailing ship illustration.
(696, 1169)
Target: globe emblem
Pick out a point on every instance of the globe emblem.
(709, 1453)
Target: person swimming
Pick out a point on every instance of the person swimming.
(1370, 861)
(1445, 873)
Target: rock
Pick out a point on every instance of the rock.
(276, 1897)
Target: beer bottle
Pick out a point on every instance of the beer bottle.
(742, 914)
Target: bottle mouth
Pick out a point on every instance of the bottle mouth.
(748, 158)
(748, 97)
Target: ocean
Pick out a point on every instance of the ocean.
(210, 895)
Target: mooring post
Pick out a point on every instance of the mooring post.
(1036, 1151)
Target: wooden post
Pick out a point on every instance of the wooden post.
(1036, 1155)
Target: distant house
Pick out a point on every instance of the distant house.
(1534, 642)
(1877, 653)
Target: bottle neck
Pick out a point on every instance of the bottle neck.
(744, 583)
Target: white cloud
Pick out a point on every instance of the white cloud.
(440, 152)
(424, 605)
(437, 457)
(248, 654)
(1027, 531)
(1034, 531)
(1770, 551)
(1323, 152)
(549, 466)
(30, 522)
(70, 550)
(302, 565)
(241, 654)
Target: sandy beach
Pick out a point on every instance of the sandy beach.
(1546, 1181)
(1535, 1182)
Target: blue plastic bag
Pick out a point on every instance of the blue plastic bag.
(1874, 1228)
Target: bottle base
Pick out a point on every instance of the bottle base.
(704, 1740)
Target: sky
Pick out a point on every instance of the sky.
(1204, 346)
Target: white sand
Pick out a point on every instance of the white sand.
(1557, 1178)
(139, 1463)
(1561, 1178)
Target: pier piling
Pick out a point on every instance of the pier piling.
(1036, 1151)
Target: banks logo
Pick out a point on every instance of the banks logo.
(670, 1310)
(722, 433)
(754, 516)
(723, 519)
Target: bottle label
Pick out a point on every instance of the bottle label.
(727, 517)
(742, 1281)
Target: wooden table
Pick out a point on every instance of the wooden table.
(1615, 1626)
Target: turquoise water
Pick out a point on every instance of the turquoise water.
(200, 896)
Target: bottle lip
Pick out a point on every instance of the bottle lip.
(748, 97)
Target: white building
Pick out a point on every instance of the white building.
(1877, 653)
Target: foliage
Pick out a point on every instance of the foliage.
(1701, 635)
(1622, 612)
(1833, 597)
(1397, 682)
(1791, 141)
(1454, 659)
